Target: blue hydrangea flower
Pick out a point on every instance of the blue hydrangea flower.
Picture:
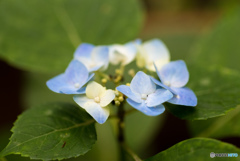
(72, 81)
(152, 51)
(95, 101)
(123, 54)
(94, 58)
(174, 76)
(144, 95)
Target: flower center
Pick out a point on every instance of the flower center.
(97, 99)
(144, 96)
(76, 85)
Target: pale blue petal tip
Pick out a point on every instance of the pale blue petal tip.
(150, 111)
(83, 50)
(98, 115)
(56, 83)
(185, 97)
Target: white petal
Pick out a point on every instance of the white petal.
(107, 98)
(116, 55)
(94, 90)
(157, 52)
(141, 57)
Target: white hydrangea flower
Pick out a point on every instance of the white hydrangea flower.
(95, 101)
(152, 51)
(123, 54)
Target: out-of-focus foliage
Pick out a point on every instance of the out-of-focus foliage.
(42, 35)
(221, 47)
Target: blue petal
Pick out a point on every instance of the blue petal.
(72, 90)
(76, 73)
(56, 83)
(150, 111)
(162, 85)
(100, 56)
(90, 78)
(83, 50)
(158, 97)
(185, 96)
(174, 74)
(127, 91)
(142, 84)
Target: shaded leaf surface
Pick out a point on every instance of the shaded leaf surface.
(219, 127)
(198, 149)
(53, 131)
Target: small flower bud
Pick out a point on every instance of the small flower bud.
(120, 98)
(118, 71)
(104, 80)
(117, 103)
(116, 92)
(127, 84)
(131, 72)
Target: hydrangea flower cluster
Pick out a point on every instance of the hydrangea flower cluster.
(145, 93)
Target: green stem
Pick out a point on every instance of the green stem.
(121, 139)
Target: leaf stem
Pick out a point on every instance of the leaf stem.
(130, 152)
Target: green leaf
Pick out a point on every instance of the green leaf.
(198, 149)
(221, 47)
(217, 90)
(52, 131)
(42, 35)
(224, 126)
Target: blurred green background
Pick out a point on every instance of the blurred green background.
(38, 38)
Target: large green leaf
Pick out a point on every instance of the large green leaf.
(197, 149)
(221, 46)
(53, 131)
(224, 126)
(42, 35)
(217, 90)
